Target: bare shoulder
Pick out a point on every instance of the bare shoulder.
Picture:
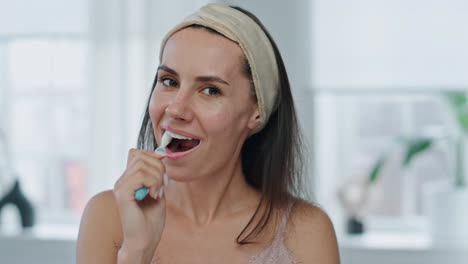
(100, 199)
(310, 235)
(100, 230)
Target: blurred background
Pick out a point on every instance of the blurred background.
(75, 76)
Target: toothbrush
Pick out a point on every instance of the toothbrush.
(141, 193)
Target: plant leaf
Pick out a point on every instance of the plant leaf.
(462, 118)
(456, 98)
(416, 146)
(376, 170)
(383, 158)
(459, 103)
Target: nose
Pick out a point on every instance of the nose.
(179, 107)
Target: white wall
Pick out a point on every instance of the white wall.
(21, 17)
(417, 44)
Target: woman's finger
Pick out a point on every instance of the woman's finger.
(136, 178)
(146, 156)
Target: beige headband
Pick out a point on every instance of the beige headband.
(253, 41)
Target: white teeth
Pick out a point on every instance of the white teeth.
(174, 135)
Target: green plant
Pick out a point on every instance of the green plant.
(416, 145)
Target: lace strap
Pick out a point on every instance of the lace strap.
(283, 223)
(284, 219)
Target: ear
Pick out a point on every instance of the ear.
(254, 120)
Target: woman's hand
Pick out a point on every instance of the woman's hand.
(142, 221)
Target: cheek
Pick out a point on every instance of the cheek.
(156, 108)
(226, 121)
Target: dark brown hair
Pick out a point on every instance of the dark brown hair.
(272, 159)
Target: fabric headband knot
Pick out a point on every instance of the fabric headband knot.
(254, 43)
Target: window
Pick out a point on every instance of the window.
(377, 73)
(47, 120)
(75, 77)
(45, 102)
(365, 125)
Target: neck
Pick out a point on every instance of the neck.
(214, 197)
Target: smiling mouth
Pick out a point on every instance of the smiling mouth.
(181, 143)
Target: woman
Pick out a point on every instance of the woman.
(221, 92)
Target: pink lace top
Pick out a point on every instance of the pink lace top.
(276, 253)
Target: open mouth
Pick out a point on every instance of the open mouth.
(181, 143)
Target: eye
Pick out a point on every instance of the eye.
(168, 82)
(212, 91)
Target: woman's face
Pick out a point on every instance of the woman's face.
(202, 94)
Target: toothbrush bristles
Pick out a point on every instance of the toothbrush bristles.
(166, 139)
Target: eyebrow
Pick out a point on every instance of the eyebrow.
(169, 70)
(199, 78)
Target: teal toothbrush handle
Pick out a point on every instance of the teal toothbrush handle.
(141, 193)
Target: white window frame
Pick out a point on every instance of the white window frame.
(333, 144)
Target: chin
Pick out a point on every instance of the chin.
(181, 175)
